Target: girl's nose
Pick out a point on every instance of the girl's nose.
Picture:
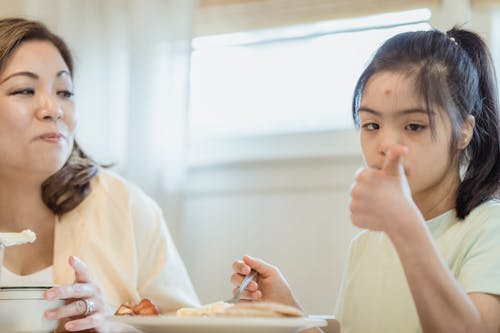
(48, 108)
(388, 138)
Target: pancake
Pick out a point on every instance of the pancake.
(208, 310)
(263, 309)
(243, 309)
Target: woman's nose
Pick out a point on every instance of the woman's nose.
(48, 108)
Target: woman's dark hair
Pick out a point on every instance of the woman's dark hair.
(68, 187)
(452, 71)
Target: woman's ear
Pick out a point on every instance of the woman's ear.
(466, 132)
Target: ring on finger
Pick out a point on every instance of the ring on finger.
(89, 306)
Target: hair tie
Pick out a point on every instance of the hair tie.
(453, 40)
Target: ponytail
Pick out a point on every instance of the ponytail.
(482, 177)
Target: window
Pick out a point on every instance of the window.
(287, 80)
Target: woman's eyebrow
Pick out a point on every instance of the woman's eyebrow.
(63, 73)
(28, 74)
(34, 76)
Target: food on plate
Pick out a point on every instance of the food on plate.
(17, 238)
(208, 310)
(263, 309)
(243, 309)
(144, 308)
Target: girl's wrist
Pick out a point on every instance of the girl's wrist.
(403, 229)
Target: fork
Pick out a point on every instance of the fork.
(243, 285)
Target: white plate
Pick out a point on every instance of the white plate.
(171, 324)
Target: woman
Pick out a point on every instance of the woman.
(100, 240)
(428, 114)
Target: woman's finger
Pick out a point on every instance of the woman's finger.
(86, 323)
(73, 309)
(75, 290)
(82, 273)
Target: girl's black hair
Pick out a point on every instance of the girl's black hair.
(452, 71)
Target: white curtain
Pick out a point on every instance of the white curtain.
(131, 84)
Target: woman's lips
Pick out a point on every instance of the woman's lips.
(52, 137)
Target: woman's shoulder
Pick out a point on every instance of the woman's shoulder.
(109, 181)
(110, 188)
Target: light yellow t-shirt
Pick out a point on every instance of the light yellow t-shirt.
(375, 296)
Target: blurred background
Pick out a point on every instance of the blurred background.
(234, 115)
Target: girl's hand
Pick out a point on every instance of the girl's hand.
(85, 307)
(270, 286)
(381, 198)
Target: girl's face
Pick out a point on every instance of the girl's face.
(37, 117)
(391, 113)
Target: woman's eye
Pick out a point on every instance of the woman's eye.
(27, 91)
(415, 127)
(65, 93)
(370, 126)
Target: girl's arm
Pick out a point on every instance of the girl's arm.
(441, 303)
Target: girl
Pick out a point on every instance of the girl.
(427, 110)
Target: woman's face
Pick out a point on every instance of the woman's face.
(391, 113)
(37, 113)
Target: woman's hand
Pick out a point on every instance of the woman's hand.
(85, 307)
(381, 198)
(270, 286)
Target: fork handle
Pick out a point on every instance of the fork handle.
(246, 281)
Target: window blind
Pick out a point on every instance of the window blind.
(483, 2)
(226, 16)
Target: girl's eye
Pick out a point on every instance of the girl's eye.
(415, 127)
(370, 126)
(65, 93)
(27, 91)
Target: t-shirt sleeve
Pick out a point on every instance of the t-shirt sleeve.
(480, 271)
(346, 276)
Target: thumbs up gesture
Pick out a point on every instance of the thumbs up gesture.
(380, 198)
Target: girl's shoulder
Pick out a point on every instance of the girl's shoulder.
(482, 223)
(486, 213)
(369, 239)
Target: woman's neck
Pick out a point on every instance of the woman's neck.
(21, 204)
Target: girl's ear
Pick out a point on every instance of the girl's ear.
(467, 131)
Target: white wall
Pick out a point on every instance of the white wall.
(282, 198)
(293, 213)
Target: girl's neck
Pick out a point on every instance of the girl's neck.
(439, 199)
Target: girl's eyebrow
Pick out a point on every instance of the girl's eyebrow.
(397, 113)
